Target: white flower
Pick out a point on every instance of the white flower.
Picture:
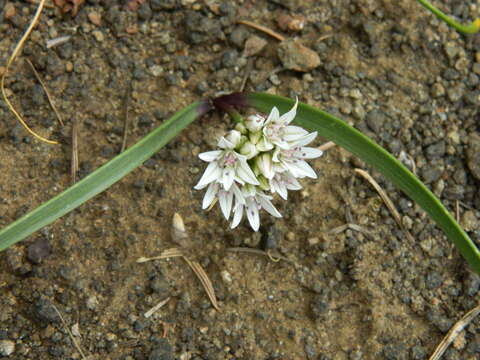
(277, 131)
(254, 201)
(292, 159)
(225, 197)
(226, 166)
(282, 182)
(231, 140)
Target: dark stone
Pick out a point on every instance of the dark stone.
(163, 351)
(159, 5)
(375, 120)
(44, 311)
(433, 280)
(229, 58)
(141, 324)
(431, 174)
(39, 250)
(471, 284)
(319, 306)
(436, 150)
(144, 12)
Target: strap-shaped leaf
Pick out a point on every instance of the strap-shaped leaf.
(336, 130)
(100, 179)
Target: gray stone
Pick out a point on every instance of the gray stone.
(295, 56)
(473, 155)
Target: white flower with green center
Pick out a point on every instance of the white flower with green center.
(226, 166)
(276, 130)
(293, 159)
(254, 201)
(282, 182)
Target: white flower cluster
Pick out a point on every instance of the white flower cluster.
(261, 155)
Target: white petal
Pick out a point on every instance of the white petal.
(246, 174)
(212, 173)
(268, 206)
(225, 198)
(210, 195)
(282, 191)
(227, 177)
(252, 215)
(225, 144)
(282, 144)
(294, 133)
(292, 183)
(239, 198)
(307, 139)
(303, 168)
(290, 115)
(273, 116)
(237, 215)
(309, 153)
(210, 156)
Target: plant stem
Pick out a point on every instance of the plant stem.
(472, 28)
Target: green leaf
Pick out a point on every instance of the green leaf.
(344, 135)
(100, 179)
(471, 28)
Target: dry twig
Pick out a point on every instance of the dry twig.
(12, 58)
(204, 279)
(263, 29)
(74, 163)
(126, 100)
(70, 333)
(454, 332)
(49, 97)
(173, 252)
(326, 146)
(387, 201)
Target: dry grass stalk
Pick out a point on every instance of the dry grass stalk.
(268, 254)
(74, 163)
(326, 146)
(12, 58)
(128, 92)
(454, 332)
(49, 97)
(70, 333)
(387, 201)
(156, 307)
(263, 29)
(173, 252)
(204, 279)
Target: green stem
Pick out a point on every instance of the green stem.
(472, 28)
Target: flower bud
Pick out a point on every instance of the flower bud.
(264, 183)
(240, 127)
(265, 165)
(255, 122)
(231, 140)
(249, 150)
